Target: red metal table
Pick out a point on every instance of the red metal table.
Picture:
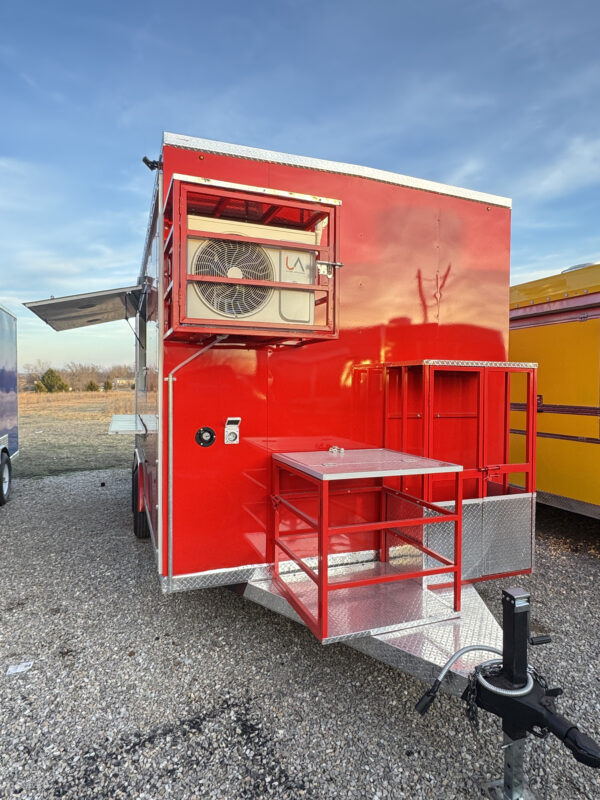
(367, 595)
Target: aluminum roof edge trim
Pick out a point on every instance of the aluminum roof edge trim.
(583, 304)
(154, 213)
(6, 311)
(257, 154)
(434, 362)
(582, 282)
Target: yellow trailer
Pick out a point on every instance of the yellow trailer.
(556, 322)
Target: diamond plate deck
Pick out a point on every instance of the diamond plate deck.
(421, 650)
(378, 608)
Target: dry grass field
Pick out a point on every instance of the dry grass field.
(69, 431)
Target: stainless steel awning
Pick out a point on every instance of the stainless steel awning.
(79, 310)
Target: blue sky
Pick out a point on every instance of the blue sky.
(496, 95)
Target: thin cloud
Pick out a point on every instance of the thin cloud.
(56, 242)
(576, 167)
(530, 263)
(470, 171)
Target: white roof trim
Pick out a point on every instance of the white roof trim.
(256, 154)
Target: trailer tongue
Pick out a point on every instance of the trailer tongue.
(417, 648)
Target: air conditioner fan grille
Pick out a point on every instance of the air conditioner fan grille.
(229, 259)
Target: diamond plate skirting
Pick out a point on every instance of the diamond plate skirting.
(508, 533)
(213, 577)
(230, 576)
(498, 536)
(421, 652)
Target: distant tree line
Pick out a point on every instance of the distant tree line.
(76, 377)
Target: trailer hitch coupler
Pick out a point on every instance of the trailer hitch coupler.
(584, 748)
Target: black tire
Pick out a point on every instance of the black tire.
(134, 488)
(141, 528)
(5, 478)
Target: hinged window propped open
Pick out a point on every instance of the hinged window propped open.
(92, 308)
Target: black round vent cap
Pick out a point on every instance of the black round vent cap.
(205, 437)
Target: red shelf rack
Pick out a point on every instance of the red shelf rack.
(309, 547)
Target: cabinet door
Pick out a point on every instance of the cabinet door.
(508, 468)
(457, 425)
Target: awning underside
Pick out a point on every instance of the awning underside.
(93, 308)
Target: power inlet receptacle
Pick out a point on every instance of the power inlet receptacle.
(232, 430)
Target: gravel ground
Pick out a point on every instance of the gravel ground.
(133, 694)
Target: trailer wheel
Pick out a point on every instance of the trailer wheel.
(141, 528)
(134, 489)
(5, 478)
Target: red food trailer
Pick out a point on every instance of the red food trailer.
(323, 396)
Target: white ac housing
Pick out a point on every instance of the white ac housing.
(237, 259)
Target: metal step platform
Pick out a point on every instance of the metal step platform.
(419, 647)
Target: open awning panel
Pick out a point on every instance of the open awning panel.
(93, 308)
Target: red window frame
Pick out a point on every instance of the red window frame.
(325, 287)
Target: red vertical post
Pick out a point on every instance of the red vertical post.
(484, 449)
(458, 540)
(404, 400)
(273, 550)
(386, 407)
(334, 284)
(505, 475)
(531, 427)
(428, 404)
(177, 262)
(481, 430)
(323, 558)
(387, 375)
(384, 548)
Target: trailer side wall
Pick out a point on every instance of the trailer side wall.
(568, 438)
(8, 383)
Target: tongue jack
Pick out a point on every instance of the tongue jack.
(512, 690)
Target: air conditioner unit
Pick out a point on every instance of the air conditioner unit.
(235, 259)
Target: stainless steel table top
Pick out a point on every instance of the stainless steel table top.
(363, 463)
